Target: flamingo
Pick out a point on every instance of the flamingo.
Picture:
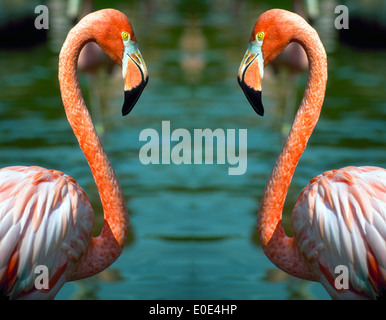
(339, 219)
(46, 218)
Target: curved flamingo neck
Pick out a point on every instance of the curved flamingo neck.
(279, 248)
(103, 250)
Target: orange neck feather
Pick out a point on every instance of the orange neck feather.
(279, 248)
(103, 250)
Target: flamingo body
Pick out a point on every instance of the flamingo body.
(45, 219)
(45, 216)
(340, 217)
(339, 220)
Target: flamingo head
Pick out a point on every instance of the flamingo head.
(272, 32)
(113, 32)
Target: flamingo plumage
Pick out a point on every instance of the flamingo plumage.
(45, 217)
(339, 218)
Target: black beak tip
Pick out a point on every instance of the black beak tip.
(126, 108)
(258, 106)
(131, 97)
(253, 96)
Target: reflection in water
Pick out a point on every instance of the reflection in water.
(97, 66)
(292, 64)
(93, 62)
(192, 44)
(192, 227)
(89, 288)
(295, 288)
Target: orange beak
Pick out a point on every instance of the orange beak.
(135, 76)
(250, 76)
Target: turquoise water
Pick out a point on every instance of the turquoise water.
(192, 232)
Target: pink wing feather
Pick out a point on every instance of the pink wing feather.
(340, 219)
(45, 219)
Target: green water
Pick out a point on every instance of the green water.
(192, 232)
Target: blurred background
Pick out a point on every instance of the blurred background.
(193, 227)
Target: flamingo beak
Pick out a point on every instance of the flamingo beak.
(135, 76)
(250, 76)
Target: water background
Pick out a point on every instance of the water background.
(192, 232)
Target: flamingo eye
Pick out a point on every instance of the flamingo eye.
(125, 35)
(260, 35)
